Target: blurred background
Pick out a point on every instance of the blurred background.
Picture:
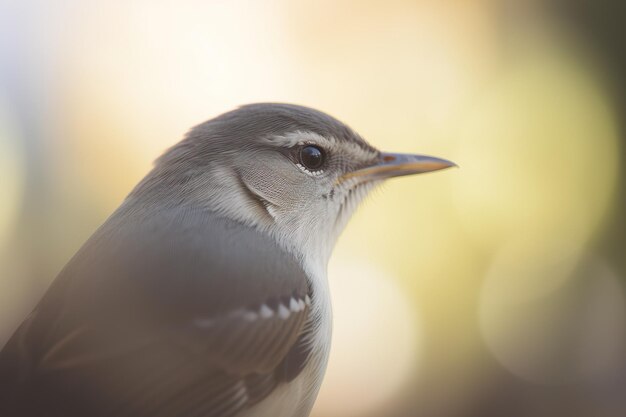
(497, 289)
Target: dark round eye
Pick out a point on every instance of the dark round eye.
(312, 157)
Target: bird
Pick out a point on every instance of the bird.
(205, 293)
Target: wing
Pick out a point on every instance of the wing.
(162, 313)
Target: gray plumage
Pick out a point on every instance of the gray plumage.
(205, 293)
(125, 329)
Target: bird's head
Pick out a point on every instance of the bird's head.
(291, 171)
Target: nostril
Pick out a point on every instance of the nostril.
(389, 158)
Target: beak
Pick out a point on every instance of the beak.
(396, 165)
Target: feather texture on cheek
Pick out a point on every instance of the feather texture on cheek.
(279, 183)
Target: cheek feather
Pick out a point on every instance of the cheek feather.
(351, 199)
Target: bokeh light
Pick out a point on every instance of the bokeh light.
(539, 152)
(12, 171)
(373, 321)
(548, 333)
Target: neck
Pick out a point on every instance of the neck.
(222, 191)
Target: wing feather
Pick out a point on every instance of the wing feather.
(160, 314)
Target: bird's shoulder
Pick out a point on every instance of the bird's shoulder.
(183, 309)
(181, 259)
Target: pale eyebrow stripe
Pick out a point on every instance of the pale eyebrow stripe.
(298, 137)
(332, 144)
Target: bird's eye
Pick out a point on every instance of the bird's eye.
(312, 157)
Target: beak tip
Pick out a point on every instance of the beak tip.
(441, 164)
